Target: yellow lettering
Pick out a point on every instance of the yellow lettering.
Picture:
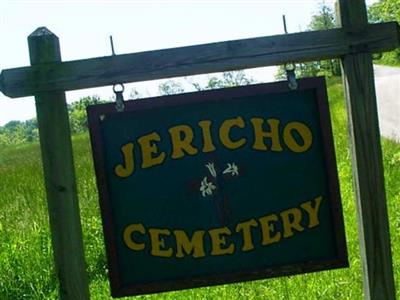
(224, 133)
(260, 134)
(128, 236)
(181, 138)
(158, 243)
(149, 149)
(194, 246)
(312, 211)
(245, 228)
(267, 228)
(291, 219)
(303, 131)
(218, 240)
(125, 170)
(208, 145)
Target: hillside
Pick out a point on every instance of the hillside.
(26, 270)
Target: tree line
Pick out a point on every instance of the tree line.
(386, 11)
(18, 132)
(325, 18)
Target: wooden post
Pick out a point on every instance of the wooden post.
(366, 150)
(56, 148)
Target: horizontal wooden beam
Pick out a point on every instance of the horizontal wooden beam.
(200, 59)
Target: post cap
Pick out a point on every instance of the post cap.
(41, 31)
(44, 46)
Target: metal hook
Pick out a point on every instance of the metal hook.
(290, 68)
(119, 97)
(119, 87)
(284, 24)
(112, 45)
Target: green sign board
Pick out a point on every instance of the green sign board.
(218, 186)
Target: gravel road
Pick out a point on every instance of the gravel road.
(387, 82)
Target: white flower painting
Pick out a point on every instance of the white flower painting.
(208, 188)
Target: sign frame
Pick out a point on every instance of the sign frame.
(317, 84)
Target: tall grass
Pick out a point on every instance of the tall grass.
(26, 263)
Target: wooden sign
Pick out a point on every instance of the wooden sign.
(218, 186)
(47, 78)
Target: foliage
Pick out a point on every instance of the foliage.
(228, 79)
(77, 113)
(20, 132)
(381, 11)
(26, 262)
(324, 19)
(17, 132)
(386, 11)
(170, 87)
(134, 94)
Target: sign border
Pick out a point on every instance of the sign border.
(318, 84)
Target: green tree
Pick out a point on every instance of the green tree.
(31, 130)
(170, 87)
(324, 19)
(386, 11)
(77, 113)
(134, 94)
(227, 79)
(18, 132)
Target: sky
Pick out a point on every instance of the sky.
(84, 27)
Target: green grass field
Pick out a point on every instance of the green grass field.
(26, 263)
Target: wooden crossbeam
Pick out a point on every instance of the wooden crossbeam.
(200, 59)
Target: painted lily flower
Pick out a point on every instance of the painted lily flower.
(231, 169)
(210, 166)
(207, 188)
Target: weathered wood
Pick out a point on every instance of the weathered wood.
(367, 161)
(216, 57)
(56, 148)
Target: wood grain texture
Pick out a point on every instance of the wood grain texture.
(208, 58)
(56, 149)
(367, 164)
